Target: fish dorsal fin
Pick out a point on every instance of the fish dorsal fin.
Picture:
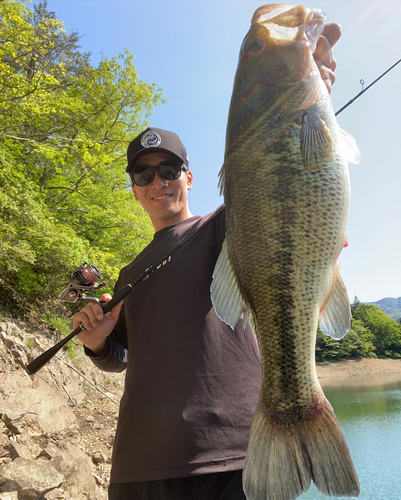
(226, 295)
(349, 147)
(316, 139)
(335, 316)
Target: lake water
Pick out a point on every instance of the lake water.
(369, 412)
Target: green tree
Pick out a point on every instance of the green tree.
(358, 343)
(64, 194)
(363, 339)
(327, 348)
(385, 330)
(355, 304)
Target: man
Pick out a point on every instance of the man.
(192, 383)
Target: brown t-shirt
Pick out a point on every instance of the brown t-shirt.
(192, 383)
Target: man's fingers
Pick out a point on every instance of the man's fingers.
(327, 75)
(89, 316)
(324, 54)
(332, 32)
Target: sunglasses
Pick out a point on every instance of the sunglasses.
(168, 170)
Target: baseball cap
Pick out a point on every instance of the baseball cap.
(153, 140)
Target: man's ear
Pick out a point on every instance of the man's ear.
(190, 179)
(133, 190)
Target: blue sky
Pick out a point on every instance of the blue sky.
(190, 48)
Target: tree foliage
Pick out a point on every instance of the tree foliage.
(64, 129)
(386, 331)
(358, 343)
(372, 334)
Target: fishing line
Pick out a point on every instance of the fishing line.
(368, 87)
(345, 106)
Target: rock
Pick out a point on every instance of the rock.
(16, 450)
(15, 342)
(77, 469)
(9, 495)
(98, 458)
(54, 420)
(50, 411)
(49, 452)
(57, 494)
(4, 440)
(32, 479)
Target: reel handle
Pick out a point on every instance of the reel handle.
(41, 360)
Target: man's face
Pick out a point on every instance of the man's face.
(166, 202)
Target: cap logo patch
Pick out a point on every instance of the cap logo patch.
(151, 139)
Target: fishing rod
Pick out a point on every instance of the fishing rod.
(368, 87)
(91, 275)
(84, 279)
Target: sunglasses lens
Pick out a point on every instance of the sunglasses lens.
(144, 177)
(170, 172)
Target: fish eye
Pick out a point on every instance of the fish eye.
(256, 46)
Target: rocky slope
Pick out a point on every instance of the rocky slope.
(57, 426)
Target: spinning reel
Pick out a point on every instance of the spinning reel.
(85, 278)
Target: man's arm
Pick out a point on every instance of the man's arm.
(105, 353)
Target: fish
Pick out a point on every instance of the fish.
(286, 186)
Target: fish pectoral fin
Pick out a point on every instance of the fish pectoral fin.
(349, 147)
(335, 316)
(316, 140)
(226, 295)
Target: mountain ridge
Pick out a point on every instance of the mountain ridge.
(390, 305)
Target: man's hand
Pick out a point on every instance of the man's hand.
(323, 54)
(98, 326)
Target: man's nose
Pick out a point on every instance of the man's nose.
(158, 180)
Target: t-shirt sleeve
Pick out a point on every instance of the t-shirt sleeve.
(111, 359)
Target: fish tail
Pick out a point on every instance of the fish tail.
(283, 458)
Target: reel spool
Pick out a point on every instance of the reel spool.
(85, 278)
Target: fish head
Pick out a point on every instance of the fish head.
(278, 51)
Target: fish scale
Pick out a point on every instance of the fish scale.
(286, 190)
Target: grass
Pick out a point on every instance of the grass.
(60, 324)
(30, 342)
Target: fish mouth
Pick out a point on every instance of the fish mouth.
(288, 24)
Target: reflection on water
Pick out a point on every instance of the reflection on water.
(369, 411)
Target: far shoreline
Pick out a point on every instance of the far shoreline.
(338, 372)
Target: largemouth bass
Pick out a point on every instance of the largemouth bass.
(287, 194)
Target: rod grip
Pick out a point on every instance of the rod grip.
(41, 360)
